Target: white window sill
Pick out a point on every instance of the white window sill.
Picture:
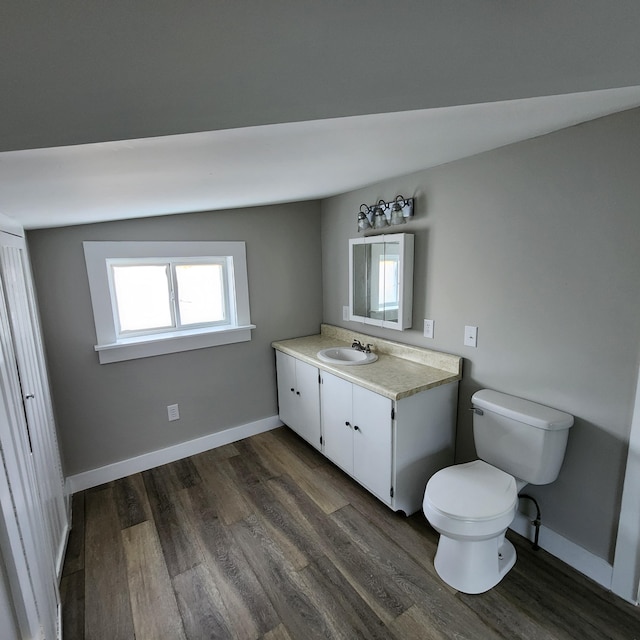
(160, 344)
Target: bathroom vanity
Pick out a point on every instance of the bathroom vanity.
(389, 424)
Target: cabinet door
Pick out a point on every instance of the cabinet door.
(372, 442)
(308, 397)
(337, 427)
(287, 403)
(299, 397)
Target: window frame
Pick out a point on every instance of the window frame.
(99, 255)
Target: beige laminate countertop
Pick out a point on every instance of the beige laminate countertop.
(392, 376)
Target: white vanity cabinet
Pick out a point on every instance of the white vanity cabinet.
(299, 397)
(391, 447)
(357, 433)
(390, 424)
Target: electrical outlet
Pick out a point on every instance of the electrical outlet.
(173, 412)
(345, 313)
(428, 328)
(470, 336)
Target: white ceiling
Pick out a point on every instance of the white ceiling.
(271, 163)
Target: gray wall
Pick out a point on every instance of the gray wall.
(108, 413)
(538, 244)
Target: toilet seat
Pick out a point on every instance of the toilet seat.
(474, 491)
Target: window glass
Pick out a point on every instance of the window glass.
(201, 293)
(142, 297)
(148, 298)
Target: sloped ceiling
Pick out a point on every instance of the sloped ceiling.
(282, 100)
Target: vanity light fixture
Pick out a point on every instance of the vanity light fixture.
(385, 214)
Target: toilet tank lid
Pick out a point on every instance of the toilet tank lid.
(531, 413)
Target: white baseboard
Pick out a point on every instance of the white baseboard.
(95, 477)
(569, 552)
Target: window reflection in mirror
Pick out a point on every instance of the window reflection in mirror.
(361, 280)
(384, 286)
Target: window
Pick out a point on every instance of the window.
(151, 298)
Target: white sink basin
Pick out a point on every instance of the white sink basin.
(345, 356)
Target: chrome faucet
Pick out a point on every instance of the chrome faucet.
(361, 347)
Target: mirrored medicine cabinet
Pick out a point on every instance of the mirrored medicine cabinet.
(381, 280)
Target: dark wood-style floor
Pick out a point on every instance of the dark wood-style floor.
(266, 539)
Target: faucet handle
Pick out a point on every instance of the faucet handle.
(367, 349)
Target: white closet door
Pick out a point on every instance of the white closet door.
(24, 541)
(25, 330)
(8, 621)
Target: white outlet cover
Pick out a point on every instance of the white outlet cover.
(470, 336)
(345, 313)
(428, 328)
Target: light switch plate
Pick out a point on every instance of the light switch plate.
(428, 328)
(173, 413)
(470, 336)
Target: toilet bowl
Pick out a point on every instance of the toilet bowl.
(471, 505)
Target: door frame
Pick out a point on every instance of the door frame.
(625, 581)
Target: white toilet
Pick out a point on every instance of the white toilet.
(471, 505)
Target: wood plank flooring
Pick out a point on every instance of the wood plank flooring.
(267, 539)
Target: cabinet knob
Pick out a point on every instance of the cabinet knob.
(292, 390)
(297, 393)
(348, 424)
(356, 427)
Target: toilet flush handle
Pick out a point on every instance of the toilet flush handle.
(480, 412)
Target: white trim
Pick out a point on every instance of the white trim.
(626, 562)
(564, 549)
(162, 343)
(123, 468)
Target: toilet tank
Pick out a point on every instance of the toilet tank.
(523, 438)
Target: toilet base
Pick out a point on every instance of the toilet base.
(474, 566)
